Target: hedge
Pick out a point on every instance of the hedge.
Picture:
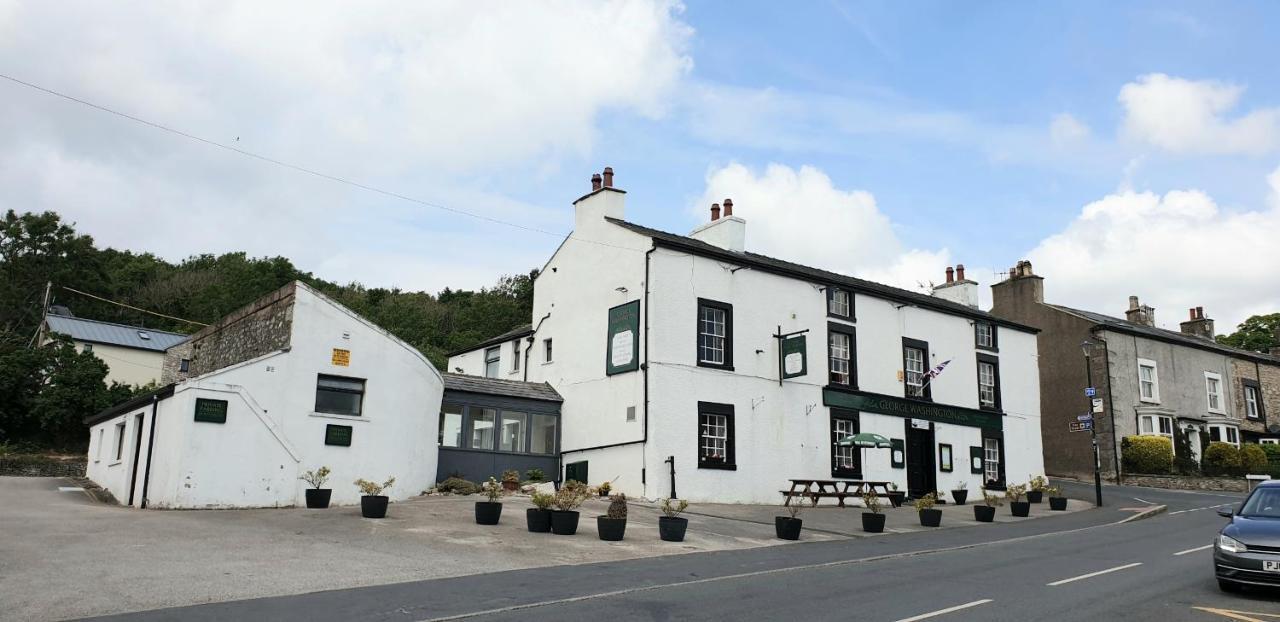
(1221, 459)
(1149, 454)
(1253, 460)
(1273, 460)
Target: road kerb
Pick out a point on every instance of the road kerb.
(1147, 513)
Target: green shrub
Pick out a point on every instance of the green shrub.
(1273, 460)
(1253, 460)
(1221, 459)
(458, 486)
(1147, 453)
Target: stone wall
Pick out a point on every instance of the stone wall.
(1182, 482)
(24, 465)
(259, 328)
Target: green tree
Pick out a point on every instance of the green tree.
(1259, 333)
(36, 249)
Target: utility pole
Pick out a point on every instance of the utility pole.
(44, 312)
(1089, 392)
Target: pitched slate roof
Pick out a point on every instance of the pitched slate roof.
(788, 268)
(510, 335)
(121, 335)
(496, 386)
(1164, 334)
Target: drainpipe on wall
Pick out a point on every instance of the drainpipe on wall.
(151, 445)
(532, 341)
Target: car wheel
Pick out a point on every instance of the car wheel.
(1228, 586)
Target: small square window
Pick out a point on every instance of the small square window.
(337, 395)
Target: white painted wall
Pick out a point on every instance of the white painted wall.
(272, 433)
(127, 365)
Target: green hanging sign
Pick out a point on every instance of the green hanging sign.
(795, 358)
(622, 352)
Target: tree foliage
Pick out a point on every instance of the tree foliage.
(47, 391)
(1259, 333)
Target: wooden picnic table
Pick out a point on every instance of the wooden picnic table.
(815, 489)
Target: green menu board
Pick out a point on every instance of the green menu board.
(794, 357)
(622, 353)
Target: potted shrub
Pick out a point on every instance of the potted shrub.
(1017, 506)
(604, 489)
(613, 525)
(896, 497)
(373, 504)
(539, 516)
(873, 520)
(1035, 489)
(317, 497)
(564, 519)
(488, 512)
(1057, 502)
(986, 512)
(535, 475)
(671, 526)
(960, 492)
(929, 515)
(788, 527)
(511, 480)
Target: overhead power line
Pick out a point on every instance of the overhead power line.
(295, 167)
(76, 291)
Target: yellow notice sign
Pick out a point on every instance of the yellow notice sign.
(341, 358)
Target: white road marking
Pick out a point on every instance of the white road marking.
(1143, 501)
(1198, 548)
(1093, 574)
(70, 489)
(925, 616)
(1207, 507)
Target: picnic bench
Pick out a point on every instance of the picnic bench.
(838, 489)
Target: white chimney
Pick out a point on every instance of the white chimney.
(957, 288)
(728, 231)
(603, 201)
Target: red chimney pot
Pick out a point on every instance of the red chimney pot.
(595, 182)
(951, 277)
(608, 177)
(959, 272)
(728, 207)
(1199, 313)
(715, 211)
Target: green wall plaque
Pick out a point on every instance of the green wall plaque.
(622, 352)
(211, 411)
(795, 358)
(339, 435)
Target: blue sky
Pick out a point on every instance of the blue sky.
(1126, 148)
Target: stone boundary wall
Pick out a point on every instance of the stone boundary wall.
(41, 466)
(1183, 482)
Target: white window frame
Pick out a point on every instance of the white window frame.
(986, 384)
(990, 459)
(492, 356)
(1269, 441)
(1157, 425)
(839, 357)
(837, 306)
(989, 333)
(916, 388)
(119, 442)
(1252, 402)
(713, 436)
(713, 327)
(1211, 397)
(515, 356)
(1154, 398)
(1225, 433)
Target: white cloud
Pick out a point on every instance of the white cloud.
(799, 215)
(452, 102)
(1185, 116)
(1175, 251)
(1066, 130)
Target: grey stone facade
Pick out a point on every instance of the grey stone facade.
(259, 328)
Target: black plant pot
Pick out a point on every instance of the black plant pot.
(611, 529)
(1058, 504)
(672, 528)
(787, 528)
(930, 518)
(1035, 496)
(984, 513)
(1020, 508)
(373, 506)
(872, 522)
(318, 498)
(488, 512)
(960, 496)
(564, 522)
(539, 520)
(896, 498)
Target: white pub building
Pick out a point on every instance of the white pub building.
(687, 362)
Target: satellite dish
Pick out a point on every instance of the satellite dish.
(1274, 428)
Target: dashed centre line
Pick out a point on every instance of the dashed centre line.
(931, 614)
(1093, 574)
(1198, 548)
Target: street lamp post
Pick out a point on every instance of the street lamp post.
(1085, 346)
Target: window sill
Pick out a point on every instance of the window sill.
(1150, 400)
(843, 318)
(718, 466)
(339, 417)
(991, 409)
(918, 398)
(992, 349)
(715, 366)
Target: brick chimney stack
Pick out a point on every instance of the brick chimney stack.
(604, 201)
(1140, 313)
(725, 230)
(1016, 296)
(1198, 325)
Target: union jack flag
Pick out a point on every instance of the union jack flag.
(933, 373)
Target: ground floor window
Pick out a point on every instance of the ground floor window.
(483, 421)
(1224, 434)
(715, 436)
(1269, 441)
(338, 395)
(451, 425)
(513, 431)
(543, 437)
(993, 460)
(845, 461)
(120, 441)
(1155, 424)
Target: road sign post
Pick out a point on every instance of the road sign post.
(1089, 393)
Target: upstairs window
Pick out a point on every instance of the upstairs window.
(1252, 399)
(1148, 381)
(515, 355)
(915, 356)
(988, 382)
(88, 348)
(337, 395)
(715, 334)
(491, 358)
(1213, 391)
(839, 303)
(546, 351)
(984, 335)
(840, 356)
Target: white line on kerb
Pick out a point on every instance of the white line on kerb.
(939, 612)
(1093, 574)
(1198, 548)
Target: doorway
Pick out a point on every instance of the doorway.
(137, 450)
(922, 474)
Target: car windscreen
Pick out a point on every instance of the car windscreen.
(1264, 502)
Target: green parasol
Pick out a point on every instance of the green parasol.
(865, 440)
